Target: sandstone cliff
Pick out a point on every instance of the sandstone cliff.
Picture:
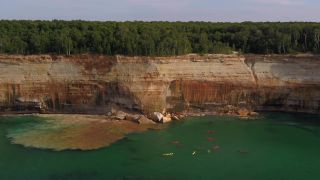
(92, 84)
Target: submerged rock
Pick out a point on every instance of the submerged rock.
(74, 132)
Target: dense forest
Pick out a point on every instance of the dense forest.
(156, 38)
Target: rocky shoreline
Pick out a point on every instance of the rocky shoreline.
(166, 117)
(88, 132)
(60, 132)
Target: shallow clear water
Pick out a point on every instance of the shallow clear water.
(275, 146)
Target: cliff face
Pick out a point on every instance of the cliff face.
(92, 84)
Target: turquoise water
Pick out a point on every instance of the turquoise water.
(275, 146)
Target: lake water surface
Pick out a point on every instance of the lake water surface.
(274, 146)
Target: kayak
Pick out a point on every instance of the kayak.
(168, 154)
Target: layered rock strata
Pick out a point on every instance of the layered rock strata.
(192, 83)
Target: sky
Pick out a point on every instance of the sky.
(162, 10)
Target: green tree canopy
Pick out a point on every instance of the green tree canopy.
(156, 38)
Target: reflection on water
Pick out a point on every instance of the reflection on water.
(275, 146)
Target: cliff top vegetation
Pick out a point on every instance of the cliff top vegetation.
(157, 38)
